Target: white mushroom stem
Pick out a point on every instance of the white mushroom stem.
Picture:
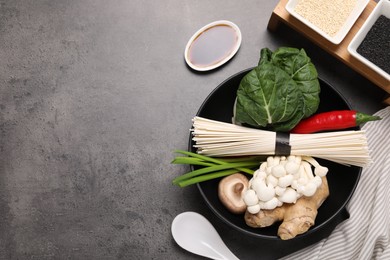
(301, 172)
(302, 179)
(317, 180)
(298, 159)
(308, 170)
(321, 171)
(311, 160)
(311, 187)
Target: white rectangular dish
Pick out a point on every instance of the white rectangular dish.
(358, 8)
(382, 8)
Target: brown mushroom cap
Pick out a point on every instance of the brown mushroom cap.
(230, 192)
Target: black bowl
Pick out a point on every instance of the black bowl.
(342, 179)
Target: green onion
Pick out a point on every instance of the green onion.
(191, 161)
(206, 177)
(213, 167)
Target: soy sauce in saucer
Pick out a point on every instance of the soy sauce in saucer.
(213, 45)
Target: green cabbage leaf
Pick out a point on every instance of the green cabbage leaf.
(278, 93)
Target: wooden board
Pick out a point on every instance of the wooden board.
(339, 51)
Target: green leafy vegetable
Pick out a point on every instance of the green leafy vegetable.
(279, 92)
(298, 65)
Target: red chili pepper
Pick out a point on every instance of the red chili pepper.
(333, 120)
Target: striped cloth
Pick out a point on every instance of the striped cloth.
(366, 234)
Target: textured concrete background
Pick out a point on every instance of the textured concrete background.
(94, 97)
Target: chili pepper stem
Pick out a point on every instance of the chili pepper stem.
(364, 118)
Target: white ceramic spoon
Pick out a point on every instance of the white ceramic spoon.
(195, 233)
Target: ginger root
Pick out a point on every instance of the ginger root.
(297, 218)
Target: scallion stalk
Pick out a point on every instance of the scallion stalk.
(206, 177)
(214, 168)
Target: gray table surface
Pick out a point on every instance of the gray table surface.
(94, 97)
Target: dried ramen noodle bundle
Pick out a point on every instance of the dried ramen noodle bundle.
(219, 139)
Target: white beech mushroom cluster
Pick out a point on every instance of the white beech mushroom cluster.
(283, 180)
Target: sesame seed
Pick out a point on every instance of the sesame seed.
(328, 16)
